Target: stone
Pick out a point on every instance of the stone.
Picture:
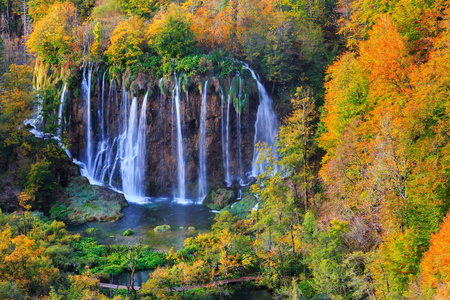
(82, 202)
(219, 198)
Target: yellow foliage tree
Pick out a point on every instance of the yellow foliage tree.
(127, 42)
(54, 34)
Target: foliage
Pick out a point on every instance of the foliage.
(145, 8)
(162, 228)
(127, 42)
(435, 263)
(54, 34)
(128, 232)
(170, 34)
(382, 165)
(112, 260)
(295, 143)
(16, 103)
(40, 182)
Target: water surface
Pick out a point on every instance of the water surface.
(143, 218)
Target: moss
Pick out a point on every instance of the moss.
(244, 207)
(128, 232)
(219, 198)
(162, 228)
(83, 202)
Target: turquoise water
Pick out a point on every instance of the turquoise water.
(143, 218)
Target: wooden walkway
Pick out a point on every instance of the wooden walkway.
(116, 286)
(185, 288)
(218, 283)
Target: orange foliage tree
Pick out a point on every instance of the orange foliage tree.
(386, 118)
(436, 261)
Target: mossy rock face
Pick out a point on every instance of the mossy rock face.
(219, 198)
(243, 207)
(162, 228)
(83, 202)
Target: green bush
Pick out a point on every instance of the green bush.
(9, 290)
(162, 228)
(128, 232)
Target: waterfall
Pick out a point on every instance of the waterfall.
(117, 158)
(86, 92)
(162, 132)
(239, 137)
(227, 142)
(222, 123)
(132, 171)
(102, 145)
(266, 126)
(202, 180)
(180, 158)
(120, 140)
(61, 109)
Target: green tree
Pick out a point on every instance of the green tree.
(170, 34)
(40, 183)
(296, 145)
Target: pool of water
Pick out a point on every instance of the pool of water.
(143, 218)
(251, 294)
(140, 277)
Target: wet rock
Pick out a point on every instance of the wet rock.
(219, 198)
(82, 202)
(243, 207)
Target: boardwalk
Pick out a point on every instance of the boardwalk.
(220, 282)
(185, 288)
(116, 286)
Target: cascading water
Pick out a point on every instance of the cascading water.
(202, 179)
(61, 109)
(181, 195)
(115, 145)
(266, 126)
(239, 137)
(162, 132)
(86, 92)
(227, 142)
(131, 170)
(119, 152)
(222, 123)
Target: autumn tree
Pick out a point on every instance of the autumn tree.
(295, 142)
(127, 42)
(53, 35)
(436, 261)
(16, 103)
(170, 33)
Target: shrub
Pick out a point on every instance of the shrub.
(162, 228)
(128, 232)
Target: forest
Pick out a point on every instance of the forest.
(353, 201)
